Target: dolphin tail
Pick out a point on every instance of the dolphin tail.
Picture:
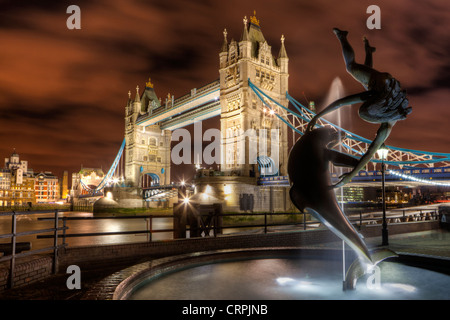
(379, 255)
(359, 267)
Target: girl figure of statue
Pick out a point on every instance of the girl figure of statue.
(383, 102)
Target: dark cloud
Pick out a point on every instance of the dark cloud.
(63, 92)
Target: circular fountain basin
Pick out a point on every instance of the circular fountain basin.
(286, 274)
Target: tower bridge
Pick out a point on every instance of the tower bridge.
(252, 100)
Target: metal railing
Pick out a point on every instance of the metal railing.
(396, 216)
(264, 223)
(150, 230)
(14, 235)
(149, 227)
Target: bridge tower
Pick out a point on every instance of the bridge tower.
(241, 110)
(147, 150)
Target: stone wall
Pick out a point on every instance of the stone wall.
(28, 270)
(234, 191)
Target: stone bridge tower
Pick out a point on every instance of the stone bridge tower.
(147, 150)
(241, 109)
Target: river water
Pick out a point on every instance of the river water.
(33, 222)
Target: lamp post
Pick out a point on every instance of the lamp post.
(382, 154)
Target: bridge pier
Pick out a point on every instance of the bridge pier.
(126, 197)
(242, 194)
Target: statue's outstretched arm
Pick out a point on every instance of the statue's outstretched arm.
(349, 100)
(382, 134)
(340, 159)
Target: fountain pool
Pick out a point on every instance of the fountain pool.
(287, 275)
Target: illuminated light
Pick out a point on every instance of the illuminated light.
(109, 195)
(186, 200)
(383, 152)
(227, 189)
(182, 182)
(208, 189)
(404, 176)
(404, 287)
(271, 112)
(284, 280)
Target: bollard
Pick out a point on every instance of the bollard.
(179, 221)
(55, 244)
(13, 250)
(265, 222)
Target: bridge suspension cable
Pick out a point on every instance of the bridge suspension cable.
(355, 145)
(108, 178)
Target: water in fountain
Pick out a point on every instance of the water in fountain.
(335, 92)
(261, 279)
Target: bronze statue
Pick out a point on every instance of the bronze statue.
(311, 191)
(309, 175)
(384, 101)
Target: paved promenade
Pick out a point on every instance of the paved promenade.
(432, 243)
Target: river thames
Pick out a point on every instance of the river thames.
(34, 222)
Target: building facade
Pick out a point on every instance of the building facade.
(46, 186)
(16, 183)
(64, 185)
(5, 186)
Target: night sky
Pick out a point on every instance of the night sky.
(63, 92)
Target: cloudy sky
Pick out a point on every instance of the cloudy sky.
(63, 92)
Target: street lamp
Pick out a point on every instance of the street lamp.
(382, 154)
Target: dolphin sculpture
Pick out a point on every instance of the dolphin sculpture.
(312, 190)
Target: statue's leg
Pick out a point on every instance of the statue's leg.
(382, 134)
(360, 72)
(349, 100)
(369, 50)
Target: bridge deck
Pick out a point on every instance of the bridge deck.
(406, 177)
(205, 95)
